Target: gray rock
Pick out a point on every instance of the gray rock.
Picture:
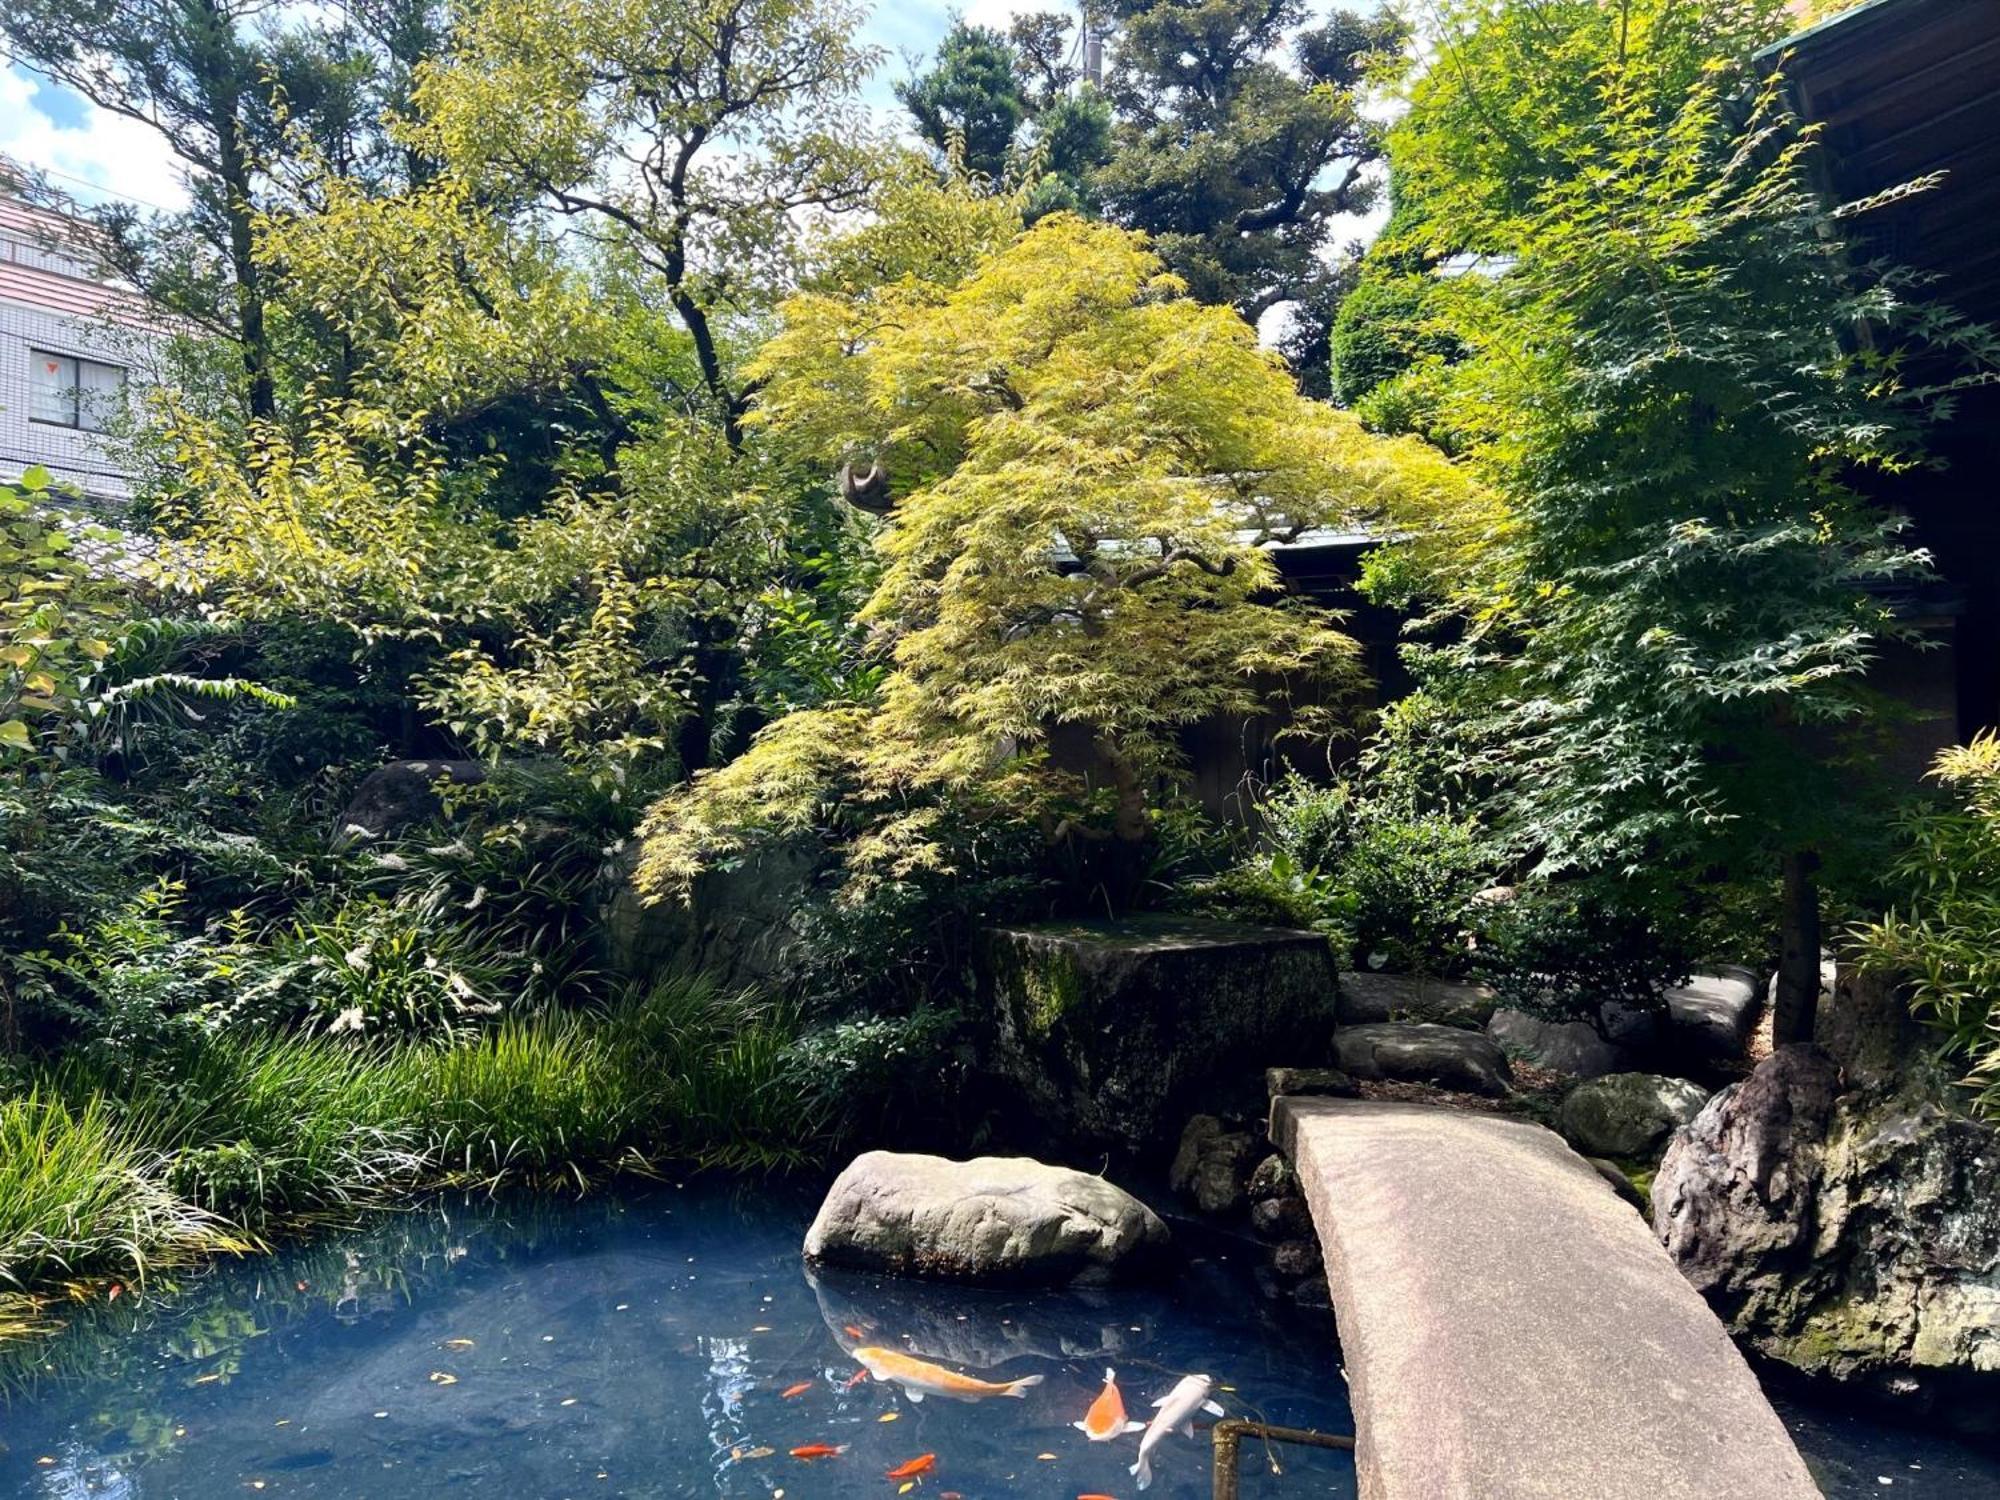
(1853, 1236)
(1111, 1032)
(1212, 1166)
(994, 1219)
(1422, 1053)
(1314, 1293)
(744, 923)
(402, 795)
(1628, 1114)
(1273, 1178)
(1296, 1259)
(1865, 1025)
(1711, 1017)
(1366, 998)
(1575, 1047)
(1280, 1219)
(1327, 1082)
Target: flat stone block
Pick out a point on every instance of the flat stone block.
(1421, 1053)
(1511, 1330)
(1710, 1018)
(1412, 997)
(1115, 1032)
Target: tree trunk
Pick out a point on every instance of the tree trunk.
(1797, 1004)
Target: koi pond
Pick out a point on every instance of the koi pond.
(670, 1343)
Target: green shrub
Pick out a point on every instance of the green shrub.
(1564, 949)
(1943, 937)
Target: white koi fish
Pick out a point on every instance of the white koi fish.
(1176, 1412)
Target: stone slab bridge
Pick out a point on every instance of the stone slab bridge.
(1510, 1327)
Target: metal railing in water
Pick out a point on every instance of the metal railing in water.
(1229, 1435)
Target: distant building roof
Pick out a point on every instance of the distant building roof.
(47, 262)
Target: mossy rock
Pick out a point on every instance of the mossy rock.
(1113, 1032)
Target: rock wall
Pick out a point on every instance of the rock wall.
(1851, 1235)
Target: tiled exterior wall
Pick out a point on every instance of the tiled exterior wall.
(80, 458)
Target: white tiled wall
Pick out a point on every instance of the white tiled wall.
(80, 458)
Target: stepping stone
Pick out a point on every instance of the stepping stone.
(1421, 1052)
(1711, 1016)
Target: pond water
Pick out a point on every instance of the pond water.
(669, 1343)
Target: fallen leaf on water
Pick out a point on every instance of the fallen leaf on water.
(742, 1455)
(795, 1390)
(46, 1462)
(381, 1414)
(887, 1416)
(256, 1484)
(282, 1422)
(906, 1486)
(458, 1343)
(568, 1401)
(209, 1379)
(1047, 1458)
(762, 1328)
(438, 1377)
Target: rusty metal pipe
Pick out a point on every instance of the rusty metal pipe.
(1229, 1433)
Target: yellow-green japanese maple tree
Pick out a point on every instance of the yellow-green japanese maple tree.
(1088, 469)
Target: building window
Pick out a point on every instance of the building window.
(72, 392)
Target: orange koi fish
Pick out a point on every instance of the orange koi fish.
(1096, 1497)
(795, 1390)
(920, 1378)
(1106, 1418)
(819, 1450)
(923, 1463)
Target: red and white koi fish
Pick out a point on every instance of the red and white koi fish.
(1176, 1412)
(819, 1450)
(920, 1378)
(1106, 1418)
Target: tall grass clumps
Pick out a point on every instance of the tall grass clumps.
(112, 1162)
(80, 1197)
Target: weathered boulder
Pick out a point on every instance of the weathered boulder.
(1575, 1047)
(402, 795)
(1274, 1178)
(1852, 1236)
(1003, 1220)
(1280, 1219)
(1418, 1052)
(1294, 1260)
(1628, 1114)
(1710, 1018)
(1326, 1082)
(1212, 1165)
(1111, 1032)
(744, 922)
(1365, 998)
(1865, 1025)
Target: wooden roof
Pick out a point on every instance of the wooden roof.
(1904, 89)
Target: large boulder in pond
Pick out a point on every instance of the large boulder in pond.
(1110, 1034)
(1630, 1115)
(402, 795)
(1419, 1052)
(1854, 1236)
(1000, 1220)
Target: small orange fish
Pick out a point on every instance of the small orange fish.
(796, 1390)
(855, 1379)
(819, 1450)
(116, 1288)
(1106, 1418)
(923, 1463)
(852, 1332)
(1096, 1497)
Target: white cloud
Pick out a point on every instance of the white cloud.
(103, 155)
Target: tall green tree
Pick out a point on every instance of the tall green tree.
(234, 96)
(1666, 385)
(1228, 130)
